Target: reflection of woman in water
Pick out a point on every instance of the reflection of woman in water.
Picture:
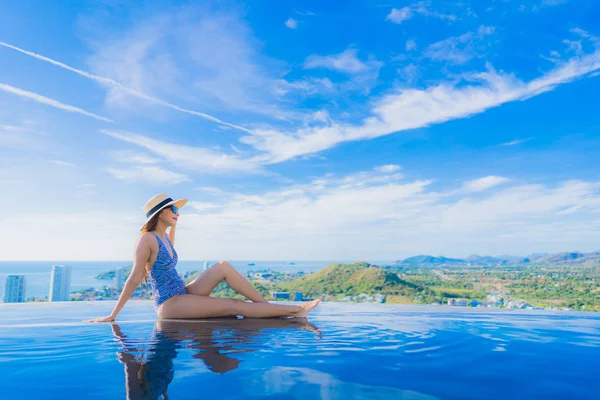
(148, 372)
(155, 260)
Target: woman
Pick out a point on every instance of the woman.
(220, 344)
(155, 260)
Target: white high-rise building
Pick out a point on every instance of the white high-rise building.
(119, 278)
(15, 289)
(205, 265)
(60, 283)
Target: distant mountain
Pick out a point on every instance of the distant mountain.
(486, 260)
(561, 257)
(513, 259)
(353, 279)
(575, 257)
(424, 259)
(536, 258)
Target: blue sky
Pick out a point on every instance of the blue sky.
(301, 130)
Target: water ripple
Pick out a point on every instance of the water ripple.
(375, 352)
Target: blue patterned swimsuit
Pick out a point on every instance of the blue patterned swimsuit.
(163, 276)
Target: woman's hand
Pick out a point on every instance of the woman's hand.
(110, 318)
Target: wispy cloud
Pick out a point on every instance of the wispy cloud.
(410, 73)
(346, 61)
(398, 16)
(516, 142)
(63, 163)
(50, 102)
(291, 23)
(478, 185)
(116, 85)
(410, 45)
(307, 86)
(424, 8)
(460, 49)
(132, 157)
(203, 206)
(189, 157)
(158, 55)
(415, 108)
(551, 3)
(305, 13)
(392, 215)
(149, 174)
(388, 169)
(18, 136)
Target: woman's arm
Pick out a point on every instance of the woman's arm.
(143, 251)
(172, 235)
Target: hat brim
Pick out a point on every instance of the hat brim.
(178, 203)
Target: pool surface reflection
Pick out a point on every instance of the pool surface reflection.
(345, 351)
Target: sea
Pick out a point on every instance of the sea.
(83, 274)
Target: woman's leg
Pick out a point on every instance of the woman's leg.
(192, 306)
(206, 283)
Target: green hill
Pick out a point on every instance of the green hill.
(353, 279)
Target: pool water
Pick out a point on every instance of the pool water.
(344, 351)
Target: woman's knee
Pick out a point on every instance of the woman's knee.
(225, 264)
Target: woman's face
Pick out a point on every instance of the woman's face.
(168, 216)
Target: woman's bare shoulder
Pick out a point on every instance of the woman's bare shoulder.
(146, 239)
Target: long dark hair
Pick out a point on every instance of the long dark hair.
(149, 227)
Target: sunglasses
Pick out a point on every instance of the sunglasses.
(173, 208)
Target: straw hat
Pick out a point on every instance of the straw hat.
(157, 203)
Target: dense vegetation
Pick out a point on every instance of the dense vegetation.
(573, 286)
(351, 280)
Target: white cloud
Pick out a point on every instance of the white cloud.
(478, 185)
(291, 23)
(552, 2)
(398, 16)
(63, 163)
(188, 157)
(203, 206)
(405, 109)
(115, 86)
(366, 215)
(48, 101)
(516, 142)
(460, 49)
(388, 169)
(347, 62)
(423, 9)
(409, 73)
(148, 174)
(574, 45)
(410, 45)
(132, 157)
(586, 35)
(305, 13)
(91, 235)
(307, 86)
(19, 136)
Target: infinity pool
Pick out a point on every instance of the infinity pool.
(345, 351)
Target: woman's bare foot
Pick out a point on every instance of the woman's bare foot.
(306, 308)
